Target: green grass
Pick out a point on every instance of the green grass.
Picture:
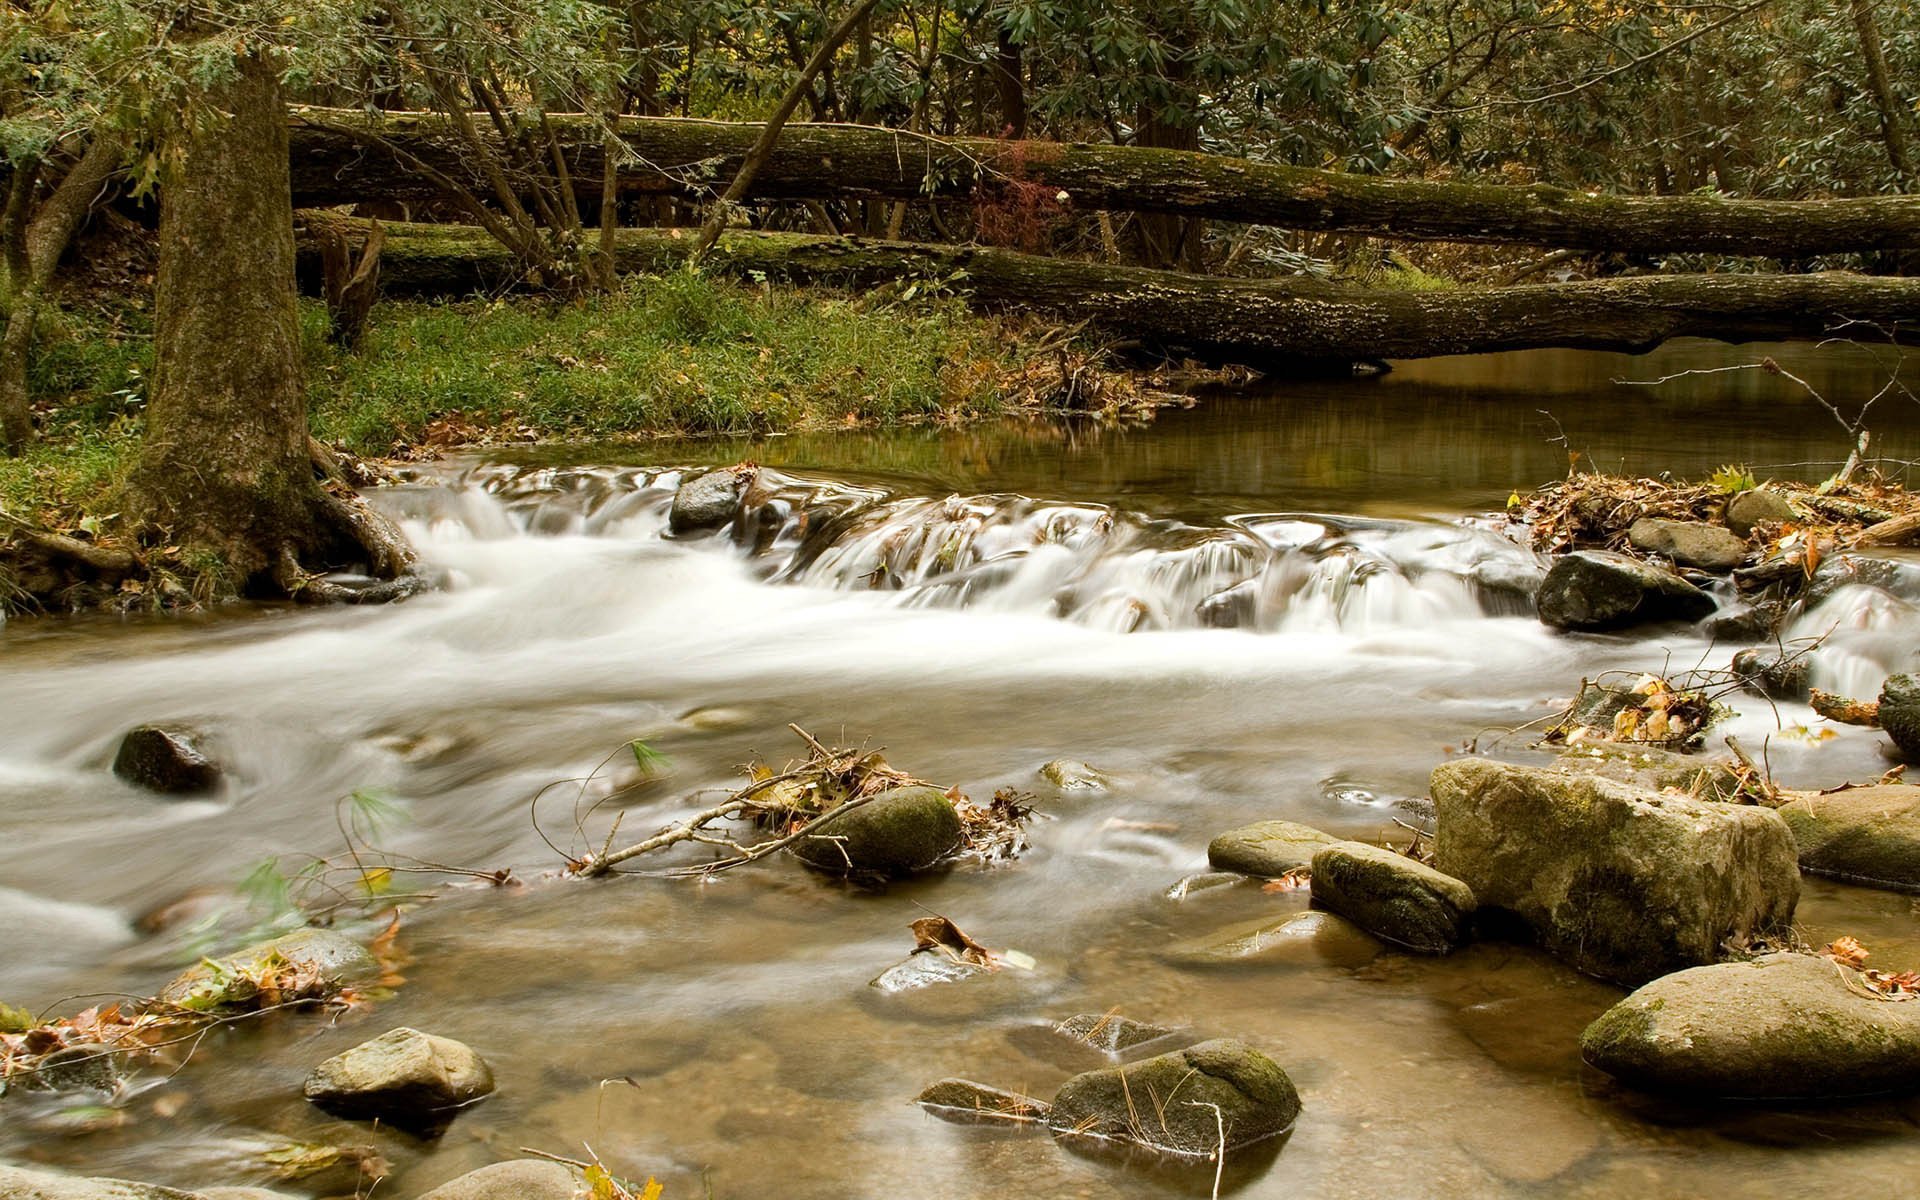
(676, 355)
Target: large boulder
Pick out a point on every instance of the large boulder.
(1864, 835)
(1900, 714)
(1393, 897)
(166, 760)
(406, 1078)
(1689, 543)
(710, 501)
(516, 1179)
(1267, 848)
(17, 1183)
(1623, 882)
(1168, 1103)
(320, 959)
(1591, 590)
(1782, 1027)
(896, 833)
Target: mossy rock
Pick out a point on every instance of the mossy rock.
(1653, 767)
(407, 1078)
(1167, 1103)
(233, 981)
(1782, 1027)
(965, 1102)
(897, 833)
(1865, 835)
(1267, 849)
(1900, 714)
(1592, 590)
(1620, 881)
(1393, 897)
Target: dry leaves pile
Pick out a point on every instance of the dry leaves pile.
(1654, 711)
(1883, 985)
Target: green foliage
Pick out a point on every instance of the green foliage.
(1731, 480)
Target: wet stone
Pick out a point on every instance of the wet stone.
(1595, 590)
(1689, 543)
(1109, 1033)
(1233, 1092)
(928, 969)
(710, 501)
(1765, 670)
(1072, 775)
(1393, 897)
(1868, 835)
(1190, 886)
(1268, 849)
(518, 1179)
(406, 1078)
(965, 1102)
(897, 833)
(1900, 714)
(87, 1067)
(1303, 939)
(164, 760)
(330, 957)
(17, 1183)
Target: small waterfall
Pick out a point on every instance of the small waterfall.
(1102, 567)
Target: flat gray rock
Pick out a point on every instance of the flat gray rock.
(1268, 849)
(517, 1179)
(404, 1077)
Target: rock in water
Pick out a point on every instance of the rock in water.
(1756, 506)
(327, 959)
(896, 833)
(1168, 1103)
(1764, 669)
(519, 1179)
(710, 501)
(1393, 897)
(1267, 848)
(19, 1184)
(1689, 543)
(168, 761)
(406, 1078)
(1598, 589)
(1900, 714)
(1109, 1033)
(966, 1102)
(1072, 775)
(1620, 881)
(1783, 1027)
(1864, 835)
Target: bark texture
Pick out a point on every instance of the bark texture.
(225, 467)
(338, 158)
(1228, 320)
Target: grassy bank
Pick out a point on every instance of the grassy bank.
(674, 355)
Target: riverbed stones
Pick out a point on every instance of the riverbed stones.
(1758, 506)
(1594, 590)
(407, 1078)
(17, 1183)
(1168, 1103)
(1109, 1033)
(1622, 882)
(1867, 835)
(966, 1102)
(1268, 849)
(1302, 939)
(1072, 775)
(1781, 1027)
(168, 760)
(1392, 896)
(1900, 714)
(1689, 543)
(516, 1179)
(321, 958)
(710, 501)
(89, 1066)
(1768, 671)
(897, 833)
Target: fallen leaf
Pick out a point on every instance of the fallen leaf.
(940, 933)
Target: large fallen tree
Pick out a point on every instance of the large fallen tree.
(341, 157)
(1258, 322)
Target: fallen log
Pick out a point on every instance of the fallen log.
(342, 156)
(1255, 322)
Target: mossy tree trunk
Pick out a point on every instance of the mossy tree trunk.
(226, 469)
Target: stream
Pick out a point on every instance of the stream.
(1284, 603)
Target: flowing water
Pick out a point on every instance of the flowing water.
(1274, 605)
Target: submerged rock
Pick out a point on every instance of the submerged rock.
(1267, 848)
(1109, 1033)
(710, 501)
(168, 761)
(90, 1066)
(1591, 590)
(1392, 896)
(1746, 621)
(1769, 672)
(1900, 714)
(1865, 835)
(406, 1078)
(1180, 1103)
(19, 1184)
(896, 833)
(1072, 775)
(327, 959)
(925, 969)
(1782, 1027)
(517, 1179)
(1689, 543)
(966, 1102)
(1305, 938)
(1620, 881)
(1757, 506)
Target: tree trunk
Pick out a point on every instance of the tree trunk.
(810, 161)
(225, 469)
(1259, 322)
(1868, 27)
(1009, 81)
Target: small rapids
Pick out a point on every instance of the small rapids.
(1095, 565)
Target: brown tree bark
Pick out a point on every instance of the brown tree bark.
(335, 164)
(1891, 131)
(225, 469)
(1263, 323)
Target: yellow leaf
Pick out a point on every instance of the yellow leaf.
(377, 881)
(600, 1182)
(652, 1190)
